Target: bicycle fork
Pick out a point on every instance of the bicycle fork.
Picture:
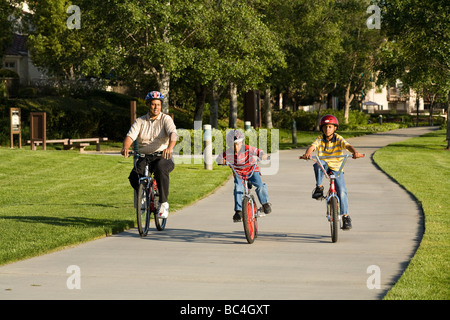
(256, 212)
(332, 194)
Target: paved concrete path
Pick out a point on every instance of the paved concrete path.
(204, 255)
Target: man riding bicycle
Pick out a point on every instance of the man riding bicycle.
(156, 135)
(329, 143)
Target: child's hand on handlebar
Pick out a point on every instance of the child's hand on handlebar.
(357, 155)
(305, 156)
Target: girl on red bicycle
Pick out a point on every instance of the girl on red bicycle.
(331, 144)
(243, 156)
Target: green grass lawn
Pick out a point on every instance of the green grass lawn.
(53, 199)
(422, 166)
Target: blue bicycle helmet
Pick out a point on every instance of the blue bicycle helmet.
(154, 95)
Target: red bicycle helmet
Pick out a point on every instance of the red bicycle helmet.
(329, 119)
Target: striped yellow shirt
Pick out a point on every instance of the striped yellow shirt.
(333, 147)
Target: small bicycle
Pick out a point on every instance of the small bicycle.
(147, 199)
(332, 198)
(250, 211)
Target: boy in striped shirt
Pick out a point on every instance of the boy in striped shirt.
(242, 156)
(331, 144)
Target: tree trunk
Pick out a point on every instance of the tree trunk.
(200, 97)
(163, 79)
(430, 117)
(319, 115)
(232, 121)
(268, 107)
(448, 122)
(348, 100)
(214, 107)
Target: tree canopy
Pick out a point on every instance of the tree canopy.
(305, 49)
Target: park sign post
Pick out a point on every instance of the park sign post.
(15, 128)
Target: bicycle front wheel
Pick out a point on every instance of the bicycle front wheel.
(142, 210)
(334, 218)
(249, 219)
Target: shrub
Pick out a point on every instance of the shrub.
(307, 121)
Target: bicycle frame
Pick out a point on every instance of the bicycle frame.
(244, 181)
(332, 198)
(147, 178)
(331, 177)
(250, 222)
(149, 184)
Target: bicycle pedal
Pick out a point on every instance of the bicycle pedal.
(261, 214)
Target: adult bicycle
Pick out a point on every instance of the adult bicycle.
(250, 210)
(147, 198)
(332, 198)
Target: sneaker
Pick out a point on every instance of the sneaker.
(237, 216)
(163, 210)
(347, 223)
(318, 193)
(267, 207)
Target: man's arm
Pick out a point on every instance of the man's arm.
(127, 142)
(167, 153)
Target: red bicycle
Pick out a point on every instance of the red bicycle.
(250, 211)
(332, 198)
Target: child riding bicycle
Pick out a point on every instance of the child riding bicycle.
(242, 155)
(331, 144)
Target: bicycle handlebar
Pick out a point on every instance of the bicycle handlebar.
(234, 167)
(332, 157)
(158, 153)
(316, 159)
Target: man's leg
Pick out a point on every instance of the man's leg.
(137, 171)
(161, 168)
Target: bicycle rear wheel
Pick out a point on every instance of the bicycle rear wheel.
(142, 210)
(249, 219)
(334, 218)
(154, 206)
